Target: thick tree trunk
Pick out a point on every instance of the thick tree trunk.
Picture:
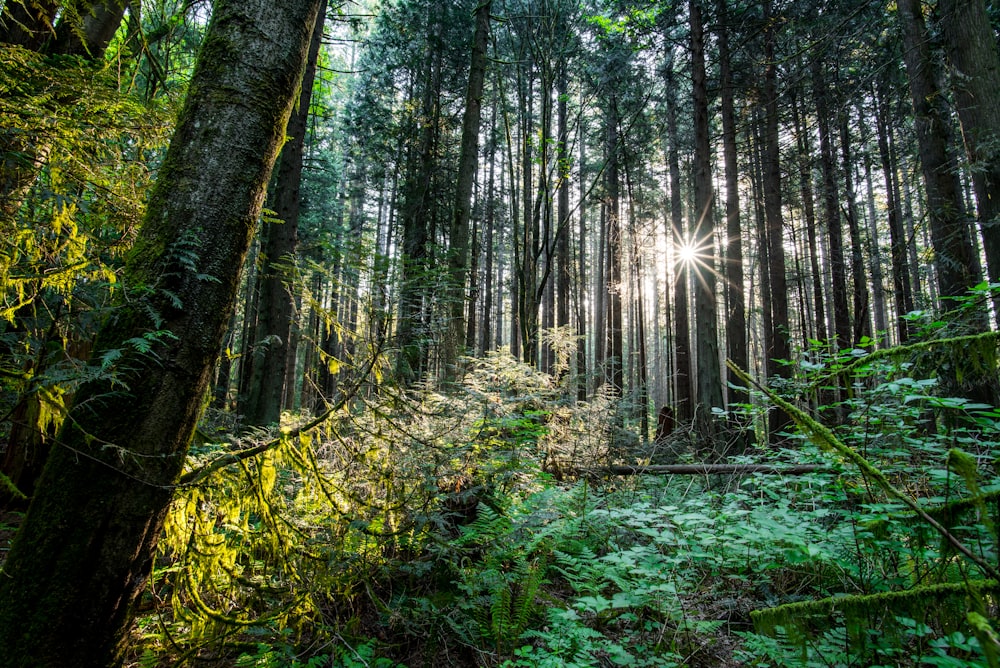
(98, 27)
(28, 24)
(975, 59)
(84, 551)
(953, 253)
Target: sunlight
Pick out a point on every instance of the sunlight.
(687, 253)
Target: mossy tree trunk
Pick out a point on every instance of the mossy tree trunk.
(84, 551)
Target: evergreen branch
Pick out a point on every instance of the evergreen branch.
(823, 437)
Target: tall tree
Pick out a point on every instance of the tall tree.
(83, 554)
(954, 261)
(276, 279)
(468, 164)
(778, 348)
(412, 321)
(684, 398)
(831, 200)
(736, 335)
(709, 376)
(975, 59)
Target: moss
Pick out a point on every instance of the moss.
(948, 603)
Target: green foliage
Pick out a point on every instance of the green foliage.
(410, 529)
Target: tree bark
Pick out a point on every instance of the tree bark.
(277, 276)
(831, 201)
(901, 283)
(411, 330)
(778, 348)
(614, 349)
(736, 325)
(709, 376)
(953, 254)
(683, 404)
(975, 60)
(468, 164)
(84, 551)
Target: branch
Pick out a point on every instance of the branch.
(715, 469)
(823, 437)
(199, 474)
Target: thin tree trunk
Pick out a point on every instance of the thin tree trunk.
(779, 350)
(736, 336)
(875, 258)
(902, 286)
(468, 166)
(703, 239)
(614, 355)
(276, 305)
(862, 314)
(831, 200)
(684, 400)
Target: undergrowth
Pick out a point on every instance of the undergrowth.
(457, 529)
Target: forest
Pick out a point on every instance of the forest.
(501, 333)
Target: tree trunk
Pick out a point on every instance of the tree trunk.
(276, 280)
(778, 350)
(683, 406)
(83, 554)
(614, 350)
(804, 146)
(468, 164)
(972, 49)
(831, 200)
(862, 314)
(98, 27)
(736, 335)
(30, 25)
(902, 286)
(411, 329)
(564, 267)
(953, 254)
(703, 239)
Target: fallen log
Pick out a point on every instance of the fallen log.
(716, 469)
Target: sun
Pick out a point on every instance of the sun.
(687, 253)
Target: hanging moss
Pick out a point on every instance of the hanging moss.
(943, 606)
